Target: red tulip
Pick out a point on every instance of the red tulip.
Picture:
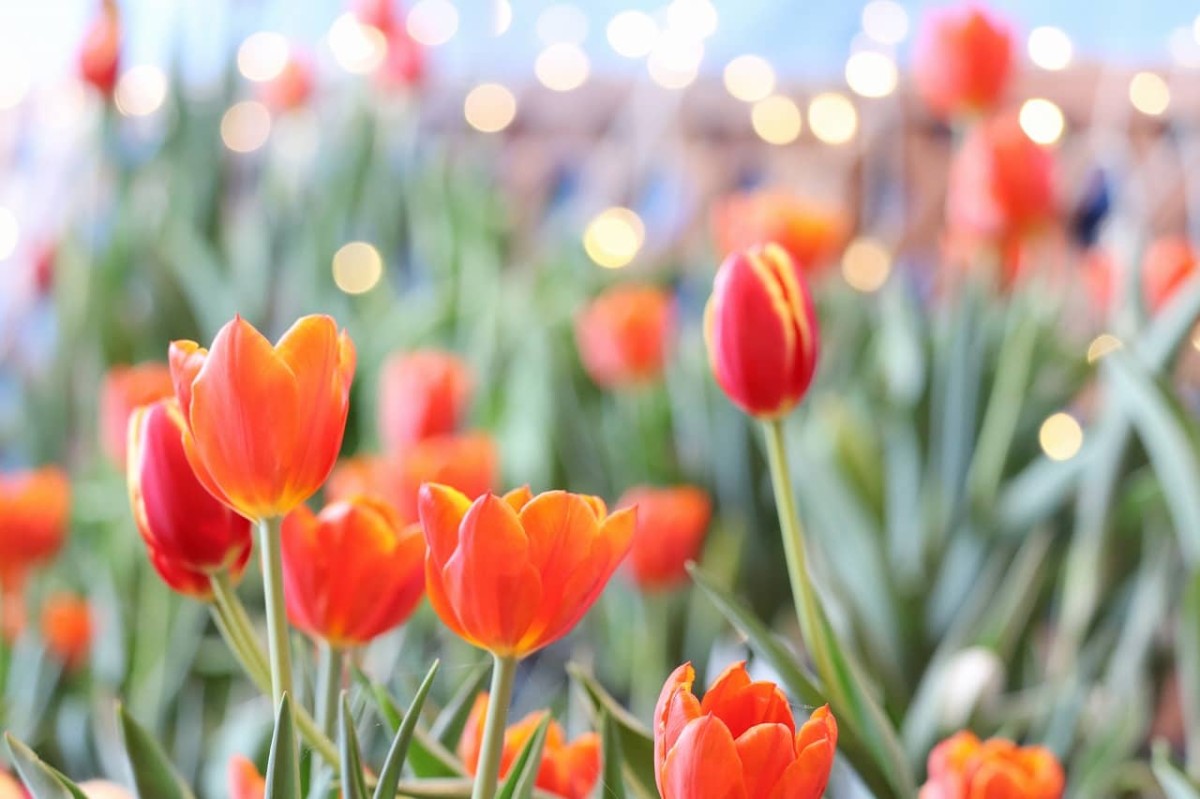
(1167, 265)
(813, 235)
(292, 87)
(514, 574)
(623, 335)
(34, 509)
(762, 332)
(67, 628)
(100, 53)
(124, 389)
(353, 572)
(964, 60)
(670, 531)
(422, 394)
(265, 423)
(244, 780)
(569, 770)
(963, 767)
(739, 742)
(404, 63)
(190, 582)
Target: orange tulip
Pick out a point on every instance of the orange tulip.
(569, 770)
(244, 780)
(670, 531)
(761, 331)
(292, 87)
(188, 530)
(10, 788)
(963, 767)
(100, 53)
(124, 389)
(514, 574)
(422, 394)
(34, 510)
(623, 334)
(739, 742)
(964, 60)
(466, 462)
(1167, 264)
(265, 423)
(813, 235)
(67, 628)
(352, 572)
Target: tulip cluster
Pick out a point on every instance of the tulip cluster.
(963, 767)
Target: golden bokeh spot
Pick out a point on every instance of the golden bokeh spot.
(614, 237)
(1060, 437)
(777, 120)
(866, 264)
(1102, 345)
(246, 126)
(490, 107)
(357, 267)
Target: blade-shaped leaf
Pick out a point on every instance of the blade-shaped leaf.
(637, 743)
(43, 780)
(353, 786)
(154, 777)
(428, 758)
(283, 765)
(1174, 783)
(612, 784)
(389, 777)
(450, 722)
(524, 771)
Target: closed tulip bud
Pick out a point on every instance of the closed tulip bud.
(351, 572)
(10, 788)
(244, 780)
(265, 423)
(100, 52)
(422, 395)
(189, 533)
(739, 741)
(124, 389)
(34, 509)
(964, 61)
(761, 331)
(624, 335)
(812, 234)
(67, 629)
(514, 574)
(568, 769)
(670, 530)
(963, 767)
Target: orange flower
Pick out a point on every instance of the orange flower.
(670, 530)
(761, 331)
(1167, 264)
(422, 394)
(34, 509)
(623, 334)
(188, 530)
(964, 60)
(10, 788)
(292, 87)
(67, 628)
(514, 574)
(740, 742)
(963, 767)
(244, 780)
(813, 235)
(124, 389)
(353, 572)
(569, 770)
(100, 53)
(265, 423)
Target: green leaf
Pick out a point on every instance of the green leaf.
(448, 726)
(428, 758)
(1174, 783)
(612, 784)
(353, 786)
(43, 780)
(524, 771)
(389, 778)
(283, 765)
(154, 777)
(1188, 654)
(637, 743)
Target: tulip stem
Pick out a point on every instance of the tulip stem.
(487, 773)
(329, 682)
(277, 628)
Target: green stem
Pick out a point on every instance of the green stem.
(277, 627)
(651, 659)
(329, 681)
(487, 774)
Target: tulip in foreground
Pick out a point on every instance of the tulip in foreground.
(125, 389)
(739, 742)
(761, 331)
(812, 234)
(67, 629)
(624, 335)
(351, 572)
(568, 769)
(963, 767)
(422, 395)
(964, 61)
(670, 531)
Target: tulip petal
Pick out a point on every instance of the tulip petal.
(742, 704)
(676, 707)
(703, 764)
(441, 509)
(766, 751)
(185, 358)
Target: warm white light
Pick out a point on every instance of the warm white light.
(632, 34)
(866, 264)
(14, 79)
(777, 120)
(357, 267)
(357, 48)
(832, 118)
(562, 67)
(675, 60)
(613, 238)
(562, 22)
(871, 74)
(750, 78)
(263, 56)
(9, 232)
(1102, 345)
(885, 21)
(432, 22)
(140, 91)
(246, 126)
(1184, 48)
(490, 107)
(1050, 48)
(696, 19)
(1149, 93)
(1060, 437)
(503, 17)
(1042, 120)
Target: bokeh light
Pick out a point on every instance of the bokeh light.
(832, 118)
(777, 120)
(432, 22)
(1149, 93)
(503, 17)
(885, 21)
(749, 78)
(10, 232)
(246, 126)
(263, 56)
(866, 264)
(357, 48)
(871, 74)
(490, 107)
(140, 90)
(1042, 120)
(357, 267)
(632, 34)
(1060, 437)
(1102, 345)
(695, 19)
(562, 67)
(1050, 48)
(614, 237)
(675, 60)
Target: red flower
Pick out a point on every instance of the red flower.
(739, 742)
(100, 53)
(1167, 264)
(404, 63)
(623, 335)
(244, 780)
(292, 87)
(67, 628)
(813, 235)
(124, 389)
(34, 510)
(963, 767)
(964, 60)
(422, 394)
(670, 531)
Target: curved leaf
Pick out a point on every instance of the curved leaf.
(43, 780)
(389, 777)
(154, 777)
(283, 765)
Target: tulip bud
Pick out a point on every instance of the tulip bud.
(34, 510)
(624, 335)
(67, 629)
(812, 234)
(761, 331)
(964, 766)
(671, 524)
(964, 61)
(422, 394)
(100, 53)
